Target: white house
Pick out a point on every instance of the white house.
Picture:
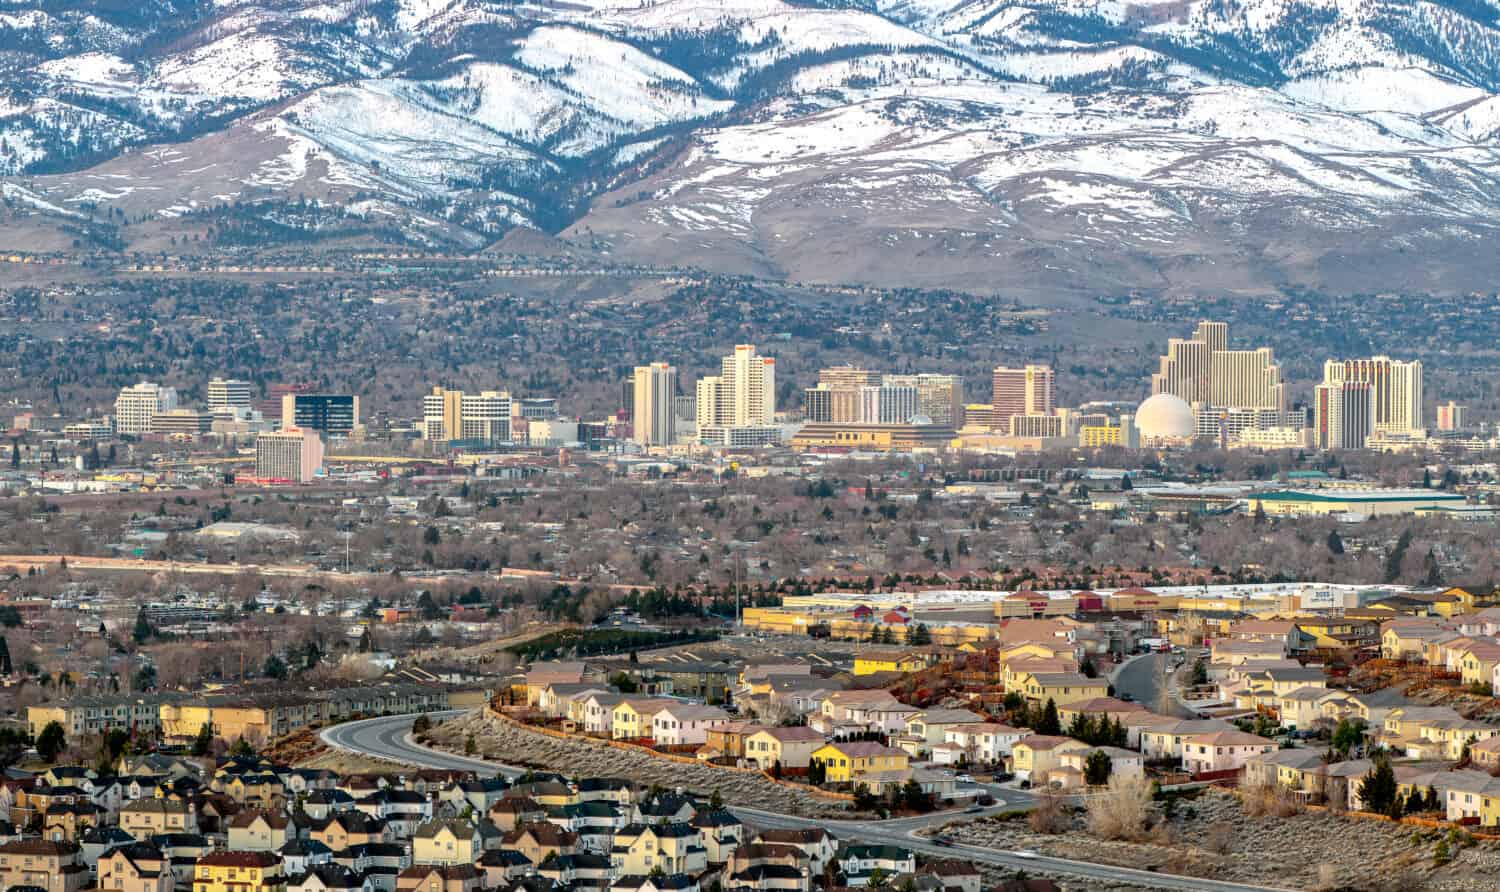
(1222, 750)
(686, 724)
(598, 713)
(981, 743)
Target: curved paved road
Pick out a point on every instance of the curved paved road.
(1144, 678)
(389, 737)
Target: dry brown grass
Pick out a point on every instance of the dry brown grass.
(1123, 810)
(1269, 801)
(1219, 838)
(1048, 817)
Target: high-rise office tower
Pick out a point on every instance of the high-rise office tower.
(292, 453)
(887, 405)
(1343, 414)
(939, 397)
(326, 413)
(139, 403)
(1245, 379)
(230, 394)
(847, 376)
(1396, 386)
(1202, 369)
(455, 415)
(1452, 417)
(654, 414)
(743, 394)
(1029, 390)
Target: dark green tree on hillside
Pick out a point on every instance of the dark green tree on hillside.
(51, 741)
(1049, 722)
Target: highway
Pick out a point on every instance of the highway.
(389, 738)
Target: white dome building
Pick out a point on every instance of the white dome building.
(1165, 417)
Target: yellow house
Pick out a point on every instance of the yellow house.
(452, 841)
(640, 850)
(788, 747)
(1062, 687)
(239, 872)
(1038, 649)
(256, 830)
(873, 661)
(853, 762)
(631, 719)
(1016, 670)
(1478, 663)
(1037, 754)
(1453, 601)
(145, 818)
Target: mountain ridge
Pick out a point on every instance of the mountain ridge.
(1069, 145)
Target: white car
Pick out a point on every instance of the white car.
(963, 779)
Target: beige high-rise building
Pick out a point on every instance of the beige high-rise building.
(293, 453)
(1245, 379)
(1029, 390)
(939, 397)
(1396, 389)
(230, 393)
(654, 414)
(455, 415)
(1202, 369)
(138, 404)
(743, 394)
(848, 376)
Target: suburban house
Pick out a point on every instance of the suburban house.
(255, 830)
(598, 713)
(1073, 764)
(930, 727)
(42, 864)
(817, 844)
(238, 872)
(632, 719)
(1062, 687)
(1222, 751)
(685, 724)
(671, 848)
(1166, 738)
(861, 762)
(1479, 662)
(445, 841)
(146, 818)
(979, 743)
(1035, 755)
(790, 747)
(860, 862)
(139, 867)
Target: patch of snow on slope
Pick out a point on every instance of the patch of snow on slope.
(616, 79)
(1479, 122)
(369, 125)
(1412, 91)
(99, 70)
(250, 68)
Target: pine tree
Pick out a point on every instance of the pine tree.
(1096, 768)
(1050, 723)
(204, 741)
(1378, 788)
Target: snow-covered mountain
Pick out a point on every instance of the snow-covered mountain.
(1072, 145)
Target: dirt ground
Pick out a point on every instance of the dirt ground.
(1212, 837)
